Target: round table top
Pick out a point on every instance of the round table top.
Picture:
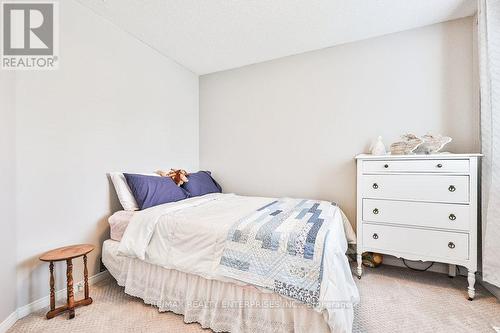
(67, 252)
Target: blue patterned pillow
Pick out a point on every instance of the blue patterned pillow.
(152, 191)
(201, 183)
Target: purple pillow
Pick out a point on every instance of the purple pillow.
(152, 191)
(201, 183)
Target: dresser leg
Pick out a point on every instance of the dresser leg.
(471, 278)
(360, 267)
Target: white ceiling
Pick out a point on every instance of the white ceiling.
(214, 35)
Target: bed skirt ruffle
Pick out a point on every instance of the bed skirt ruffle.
(220, 306)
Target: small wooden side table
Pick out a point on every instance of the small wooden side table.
(68, 253)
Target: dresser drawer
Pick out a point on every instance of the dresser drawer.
(423, 214)
(444, 165)
(418, 242)
(438, 188)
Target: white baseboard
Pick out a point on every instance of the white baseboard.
(8, 322)
(60, 295)
(45, 301)
(492, 289)
(437, 267)
(441, 268)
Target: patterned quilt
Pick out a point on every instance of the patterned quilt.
(280, 247)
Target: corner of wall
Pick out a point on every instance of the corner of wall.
(8, 259)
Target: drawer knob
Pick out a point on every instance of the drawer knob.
(375, 211)
(451, 245)
(439, 165)
(386, 166)
(375, 236)
(375, 185)
(452, 217)
(452, 188)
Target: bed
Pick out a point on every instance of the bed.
(175, 256)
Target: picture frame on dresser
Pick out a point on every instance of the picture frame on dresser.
(419, 207)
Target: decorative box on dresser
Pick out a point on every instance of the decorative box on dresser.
(419, 207)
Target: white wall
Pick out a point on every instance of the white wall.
(114, 104)
(291, 127)
(7, 197)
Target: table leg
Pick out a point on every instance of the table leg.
(85, 277)
(71, 296)
(52, 288)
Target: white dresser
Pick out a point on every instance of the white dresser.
(419, 207)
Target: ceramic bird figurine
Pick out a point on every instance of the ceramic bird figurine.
(432, 144)
(409, 142)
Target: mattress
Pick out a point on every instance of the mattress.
(118, 223)
(220, 306)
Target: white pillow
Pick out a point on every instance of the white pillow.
(123, 190)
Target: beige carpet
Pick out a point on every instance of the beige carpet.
(392, 300)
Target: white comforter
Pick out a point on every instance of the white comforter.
(189, 236)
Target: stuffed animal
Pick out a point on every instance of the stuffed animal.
(179, 176)
(371, 259)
